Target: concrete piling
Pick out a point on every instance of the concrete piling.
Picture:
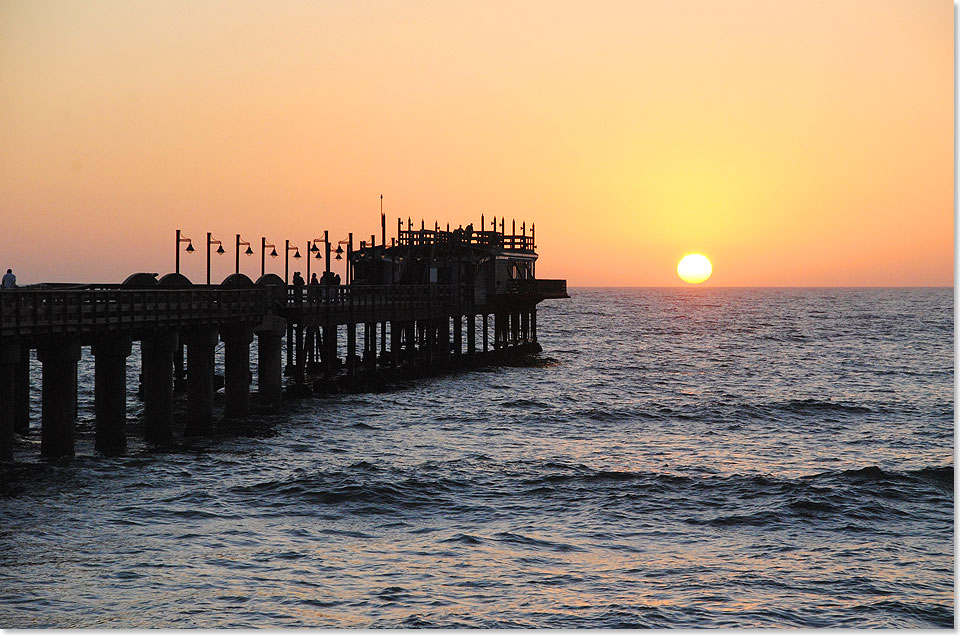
(201, 351)
(236, 371)
(9, 358)
(59, 357)
(269, 359)
(110, 393)
(157, 352)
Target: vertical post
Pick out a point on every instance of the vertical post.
(201, 351)
(208, 257)
(110, 392)
(329, 348)
(458, 335)
(269, 362)
(286, 262)
(326, 243)
(177, 269)
(157, 365)
(348, 274)
(21, 392)
(351, 348)
(383, 225)
(533, 324)
(471, 334)
(263, 255)
(59, 358)
(9, 358)
(236, 369)
(307, 254)
(238, 254)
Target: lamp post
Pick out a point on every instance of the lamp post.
(220, 252)
(248, 252)
(349, 243)
(312, 247)
(263, 253)
(189, 249)
(286, 259)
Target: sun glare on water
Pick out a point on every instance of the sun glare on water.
(694, 268)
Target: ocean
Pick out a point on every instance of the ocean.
(688, 457)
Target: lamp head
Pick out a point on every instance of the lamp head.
(220, 250)
(339, 257)
(274, 254)
(190, 248)
(318, 256)
(313, 247)
(297, 255)
(339, 251)
(249, 251)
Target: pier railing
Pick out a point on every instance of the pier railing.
(541, 288)
(103, 309)
(371, 297)
(422, 237)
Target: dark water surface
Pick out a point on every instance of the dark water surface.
(689, 457)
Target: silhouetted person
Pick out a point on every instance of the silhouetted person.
(9, 280)
(336, 279)
(298, 287)
(313, 280)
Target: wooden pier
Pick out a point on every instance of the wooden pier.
(415, 299)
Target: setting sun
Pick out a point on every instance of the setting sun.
(694, 268)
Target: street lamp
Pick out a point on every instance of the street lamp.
(263, 253)
(312, 246)
(248, 252)
(286, 259)
(189, 249)
(349, 243)
(220, 252)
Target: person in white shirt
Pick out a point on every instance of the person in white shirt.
(9, 280)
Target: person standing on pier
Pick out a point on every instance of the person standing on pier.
(9, 280)
(298, 287)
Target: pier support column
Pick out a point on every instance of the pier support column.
(395, 330)
(412, 342)
(157, 360)
(486, 328)
(383, 339)
(9, 358)
(269, 359)
(299, 360)
(21, 392)
(497, 330)
(59, 358)
(201, 349)
(533, 325)
(288, 370)
(457, 335)
(236, 369)
(329, 349)
(351, 348)
(471, 334)
(110, 393)
(514, 328)
(525, 327)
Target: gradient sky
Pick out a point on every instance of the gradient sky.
(803, 143)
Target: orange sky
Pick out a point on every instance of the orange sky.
(806, 143)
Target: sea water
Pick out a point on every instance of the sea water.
(695, 457)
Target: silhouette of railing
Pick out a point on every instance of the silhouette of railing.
(422, 237)
(107, 308)
(541, 288)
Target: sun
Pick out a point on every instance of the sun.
(694, 268)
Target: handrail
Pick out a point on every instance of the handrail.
(425, 237)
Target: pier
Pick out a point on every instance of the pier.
(432, 300)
